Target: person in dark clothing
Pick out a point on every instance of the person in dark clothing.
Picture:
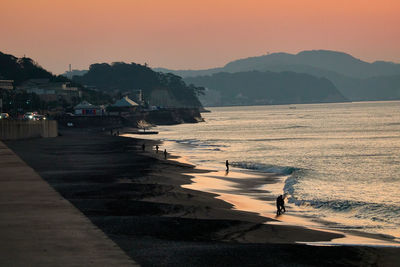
(165, 154)
(143, 147)
(157, 149)
(280, 205)
(283, 204)
(227, 165)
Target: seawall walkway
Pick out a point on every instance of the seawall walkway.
(38, 227)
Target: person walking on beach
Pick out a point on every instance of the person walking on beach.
(143, 147)
(280, 205)
(227, 165)
(157, 149)
(283, 204)
(165, 154)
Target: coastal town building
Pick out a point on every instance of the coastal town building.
(6, 84)
(124, 105)
(86, 109)
(137, 96)
(50, 91)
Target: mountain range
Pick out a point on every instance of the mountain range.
(357, 80)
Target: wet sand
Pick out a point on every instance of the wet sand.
(251, 191)
(137, 199)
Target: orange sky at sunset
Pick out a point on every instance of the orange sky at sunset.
(182, 34)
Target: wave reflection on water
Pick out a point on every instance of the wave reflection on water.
(341, 160)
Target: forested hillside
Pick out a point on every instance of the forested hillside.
(257, 88)
(167, 90)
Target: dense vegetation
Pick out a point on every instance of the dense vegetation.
(23, 69)
(158, 88)
(256, 88)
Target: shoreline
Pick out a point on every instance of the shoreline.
(210, 175)
(350, 237)
(138, 201)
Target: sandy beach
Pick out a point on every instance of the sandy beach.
(145, 204)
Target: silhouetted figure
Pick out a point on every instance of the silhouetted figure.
(283, 204)
(165, 154)
(280, 205)
(227, 165)
(157, 149)
(117, 133)
(143, 147)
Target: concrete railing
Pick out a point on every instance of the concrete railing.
(16, 129)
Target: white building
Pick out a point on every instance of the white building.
(86, 109)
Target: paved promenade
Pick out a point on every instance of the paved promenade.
(38, 227)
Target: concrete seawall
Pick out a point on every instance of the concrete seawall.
(38, 227)
(16, 129)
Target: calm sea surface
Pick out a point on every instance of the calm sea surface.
(341, 162)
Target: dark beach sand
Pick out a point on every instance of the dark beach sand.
(136, 198)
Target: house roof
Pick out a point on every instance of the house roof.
(85, 104)
(125, 102)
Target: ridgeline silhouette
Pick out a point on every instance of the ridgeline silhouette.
(354, 78)
(167, 90)
(22, 69)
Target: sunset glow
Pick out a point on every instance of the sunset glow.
(182, 34)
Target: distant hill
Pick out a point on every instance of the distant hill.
(326, 60)
(323, 60)
(259, 88)
(22, 69)
(351, 76)
(167, 90)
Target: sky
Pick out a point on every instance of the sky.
(194, 34)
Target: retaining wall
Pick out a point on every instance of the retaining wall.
(17, 129)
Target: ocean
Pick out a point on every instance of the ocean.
(339, 163)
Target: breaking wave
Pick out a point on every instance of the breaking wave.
(265, 167)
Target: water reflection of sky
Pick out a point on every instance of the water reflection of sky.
(348, 154)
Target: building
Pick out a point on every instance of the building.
(6, 84)
(125, 104)
(137, 96)
(87, 109)
(50, 91)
